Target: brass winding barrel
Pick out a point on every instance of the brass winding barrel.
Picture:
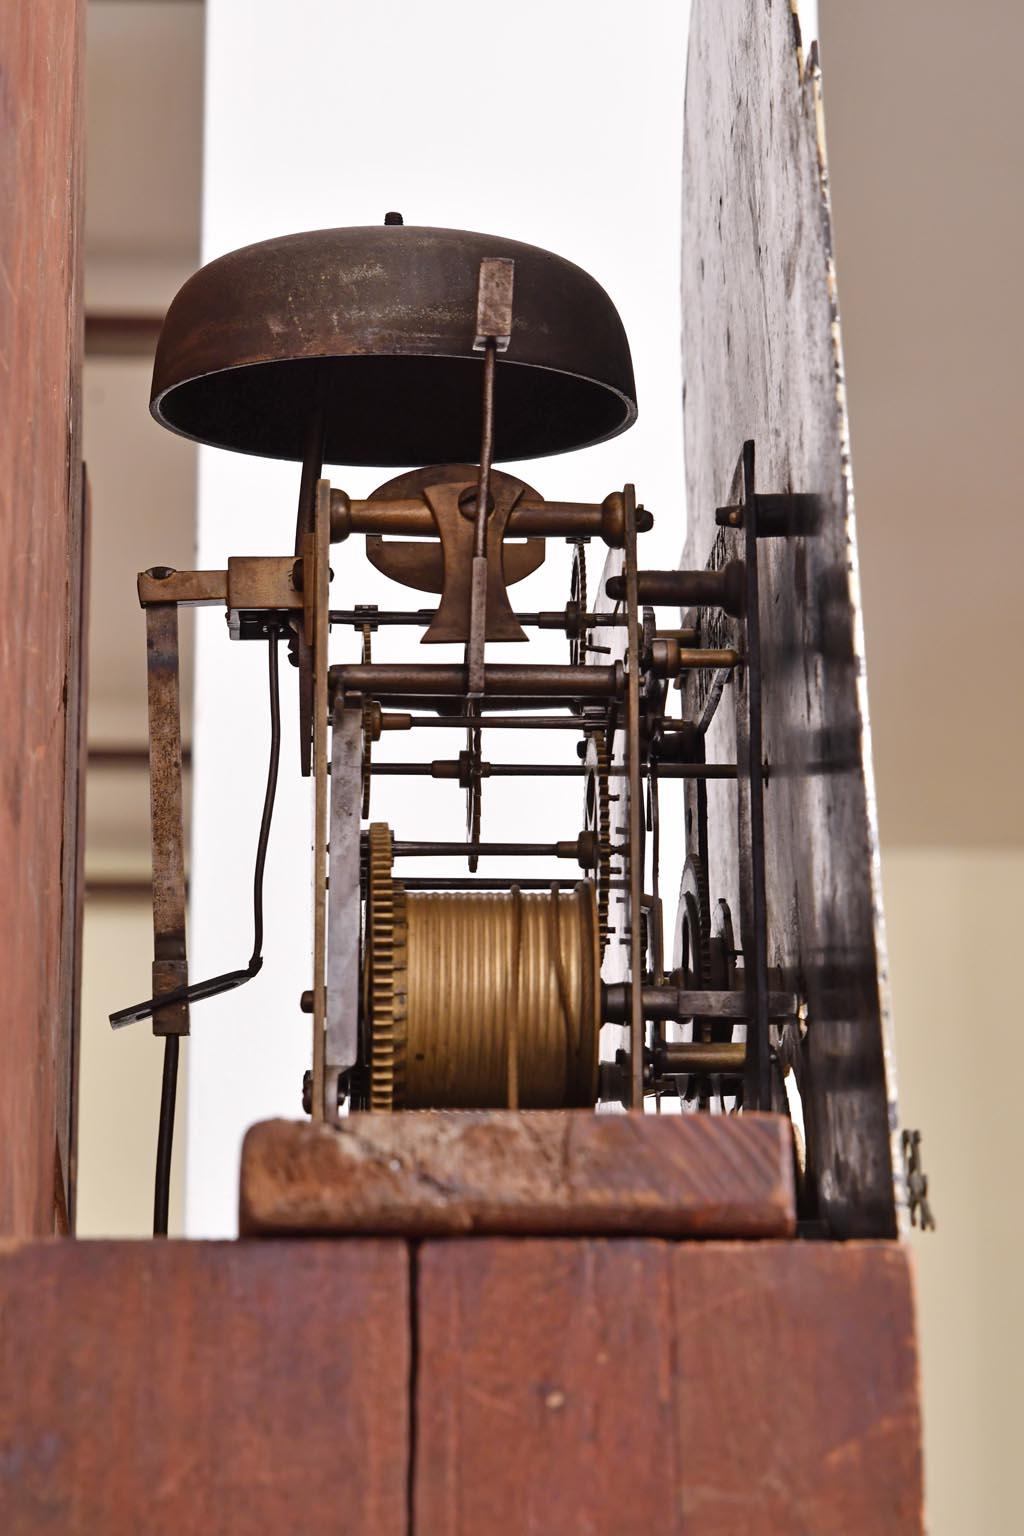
(502, 1000)
(480, 1000)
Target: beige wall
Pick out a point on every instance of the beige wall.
(926, 135)
(954, 938)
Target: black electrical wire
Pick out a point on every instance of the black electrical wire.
(200, 990)
(165, 1136)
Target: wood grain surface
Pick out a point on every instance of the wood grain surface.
(628, 1387)
(172, 1388)
(40, 573)
(762, 359)
(560, 1172)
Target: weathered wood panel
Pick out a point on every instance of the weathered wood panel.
(559, 1172)
(40, 572)
(638, 1386)
(762, 359)
(225, 1387)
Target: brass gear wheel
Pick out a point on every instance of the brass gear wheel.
(384, 965)
(578, 599)
(368, 740)
(695, 926)
(597, 819)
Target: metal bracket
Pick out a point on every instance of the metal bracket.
(494, 303)
(917, 1182)
(342, 1044)
(170, 962)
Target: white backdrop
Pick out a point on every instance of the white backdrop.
(322, 113)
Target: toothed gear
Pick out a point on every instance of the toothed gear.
(367, 760)
(578, 596)
(696, 924)
(597, 815)
(694, 960)
(385, 956)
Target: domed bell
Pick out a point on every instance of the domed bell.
(377, 326)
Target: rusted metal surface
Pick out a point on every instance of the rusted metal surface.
(554, 1172)
(689, 1389)
(40, 574)
(762, 360)
(495, 288)
(262, 581)
(170, 962)
(161, 584)
(174, 1388)
(384, 319)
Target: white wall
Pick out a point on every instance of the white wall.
(324, 113)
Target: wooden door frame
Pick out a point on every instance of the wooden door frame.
(42, 609)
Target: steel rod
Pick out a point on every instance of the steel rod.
(383, 679)
(667, 1002)
(483, 494)
(552, 722)
(555, 618)
(504, 722)
(443, 768)
(430, 849)
(489, 883)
